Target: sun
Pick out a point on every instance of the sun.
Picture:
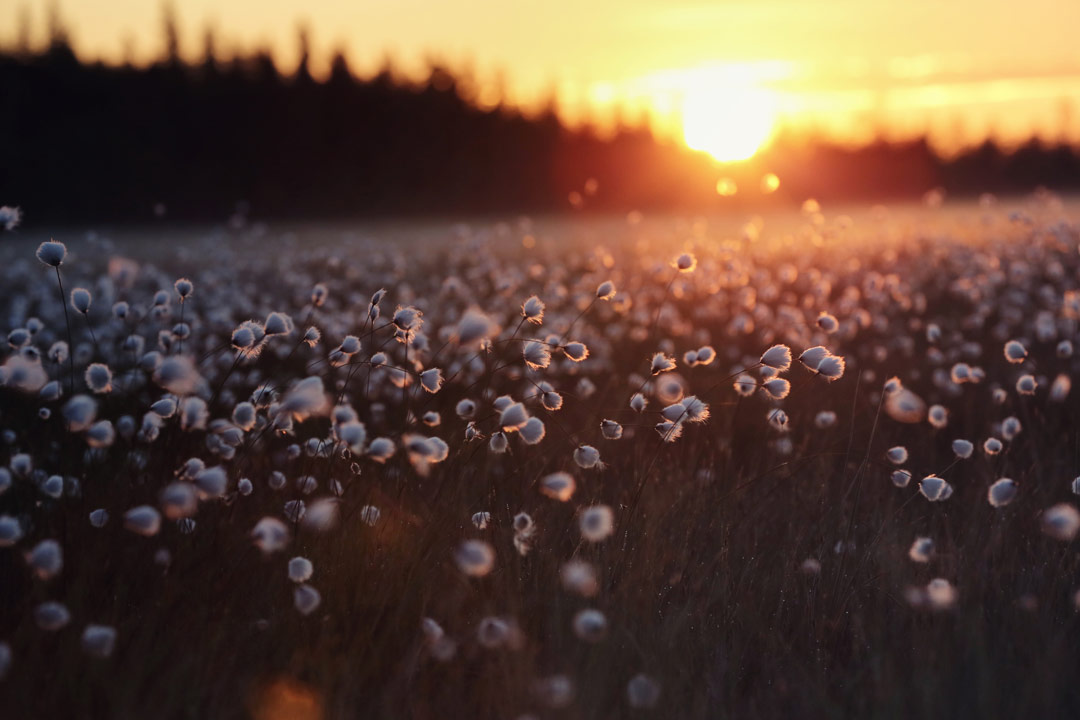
(730, 123)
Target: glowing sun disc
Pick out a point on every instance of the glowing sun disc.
(729, 123)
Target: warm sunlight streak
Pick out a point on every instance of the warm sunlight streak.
(730, 123)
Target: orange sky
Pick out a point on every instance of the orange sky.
(959, 69)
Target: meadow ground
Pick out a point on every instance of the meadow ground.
(816, 464)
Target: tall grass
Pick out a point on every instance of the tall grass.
(763, 559)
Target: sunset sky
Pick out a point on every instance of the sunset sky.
(735, 70)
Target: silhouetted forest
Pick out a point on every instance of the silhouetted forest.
(88, 141)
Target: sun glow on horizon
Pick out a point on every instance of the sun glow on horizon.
(729, 122)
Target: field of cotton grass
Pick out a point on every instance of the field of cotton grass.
(641, 468)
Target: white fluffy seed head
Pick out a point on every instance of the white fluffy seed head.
(1002, 492)
(475, 558)
(596, 523)
(513, 417)
(533, 310)
(778, 357)
(558, 486)
(143, 520)
(80, 300)
(1061, 522)
(963, 448)
(576, 351)
(921, 550)
(300, 569)
(935, 489)
(1015, 352)
(897, 455)
(586, 456)
(52, 253)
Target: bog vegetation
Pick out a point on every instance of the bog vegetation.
(497, 473)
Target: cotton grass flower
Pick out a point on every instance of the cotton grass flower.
(475, 558)
(493, 632)
(827, 323)
(278, 323)
(80, 300)
(513, 417)
(586, 457)
(178, 500)
(576, 351)
(831, 367)
(745, 385)
(498, 443)
(99, 641)
(905, 406)
(558, 486)
(79, 413)
(52, 253)
(825, 419)
(212, 482)
(53, 486)
(778, 357)
(811, 357)
(465, 409)
(610, 429)
(776, 388)
(940, 594)
(306, 599)
(177, 375)
(300, 569)
(321, 516)
(143, 520)
(1010, 428)
(431, 380)
(963, 449)
(935, 489)
(10, 531)
(661, 363)
(537, 354)
(408, 319)
(533, 310)
(184, 288)
(938, 416)
(1061, 522)
(51, 616)
(921, 550)
(686, 262)
(669, 430)
(46, 559)
(579, 577)
(1026, 385)
(778, 420)
(1015, 352)
(1060, 388)
(596, 523)
(605, 290)
(475, 326)
(590, 625)
(533, 431)
(270, 535)
(897, 455)
(1002, 492)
